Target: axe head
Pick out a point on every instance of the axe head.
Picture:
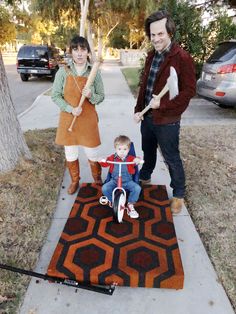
(172, 83)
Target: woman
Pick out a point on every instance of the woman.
(68, 87)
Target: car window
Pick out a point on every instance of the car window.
(223, 53)
(41, 52)
(26, 52)
(33, 52)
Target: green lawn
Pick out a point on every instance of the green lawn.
(132, 77)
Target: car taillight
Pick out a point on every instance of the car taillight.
(50, 64)
(220, 94)
(228, 68)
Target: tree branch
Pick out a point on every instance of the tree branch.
(112, 29)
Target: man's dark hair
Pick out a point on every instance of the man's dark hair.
(79, 41)
(157, 16)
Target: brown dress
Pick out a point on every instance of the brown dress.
(85, 130)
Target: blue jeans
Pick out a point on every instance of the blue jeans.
(167, 138)
(131, 186)
(128, 184)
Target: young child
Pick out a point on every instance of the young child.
(122, 146)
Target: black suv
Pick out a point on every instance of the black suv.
(37, 60)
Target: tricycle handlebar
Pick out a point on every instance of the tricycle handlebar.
(123, 162)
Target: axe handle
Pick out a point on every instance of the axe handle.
(89, 82)
(162, 93)
(145, 110)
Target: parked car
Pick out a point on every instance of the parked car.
(37, 60)
(218, 78)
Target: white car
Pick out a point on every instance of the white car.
(218, 78)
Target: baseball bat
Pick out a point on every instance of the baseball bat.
(89, 82)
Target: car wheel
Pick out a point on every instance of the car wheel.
(24, 77)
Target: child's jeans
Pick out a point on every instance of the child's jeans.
(131, 186)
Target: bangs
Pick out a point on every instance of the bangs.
(81, 42)
(81, 45)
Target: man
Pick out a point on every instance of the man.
(161, 124)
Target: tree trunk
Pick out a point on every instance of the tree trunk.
(100, 45)
(84, 11)
(12, 141)
(90, 40)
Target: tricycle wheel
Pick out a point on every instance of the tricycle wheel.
(119, 205)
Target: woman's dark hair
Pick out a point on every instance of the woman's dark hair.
(79, 41)
(157, 16)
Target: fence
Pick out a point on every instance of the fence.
(131, 57)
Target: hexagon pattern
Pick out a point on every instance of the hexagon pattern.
(138, 252)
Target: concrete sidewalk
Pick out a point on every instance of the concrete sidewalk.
(202, 293)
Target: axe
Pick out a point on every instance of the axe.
(171, 86)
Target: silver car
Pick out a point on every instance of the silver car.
(218, 78)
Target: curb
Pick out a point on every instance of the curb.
(33, 104)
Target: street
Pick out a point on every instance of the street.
(204, 112)
(23, 93)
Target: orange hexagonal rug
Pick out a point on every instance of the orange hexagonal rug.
(139, 252)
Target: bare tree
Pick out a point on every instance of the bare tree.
(12, 142)
(84, 5)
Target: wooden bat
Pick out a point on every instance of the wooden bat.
(89, 82)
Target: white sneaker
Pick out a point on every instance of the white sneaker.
(131, 211)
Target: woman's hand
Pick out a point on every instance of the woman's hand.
(86, 92)
(76, 111)
(138, 160)
(101, 159)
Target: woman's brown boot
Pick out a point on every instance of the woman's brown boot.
(73, 167)
(96, 170)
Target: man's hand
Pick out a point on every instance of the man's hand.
(86, 92)
(155, 102)
(76, 111)
(138, 117)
